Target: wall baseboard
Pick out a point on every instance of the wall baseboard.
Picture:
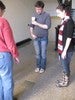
(23, 41)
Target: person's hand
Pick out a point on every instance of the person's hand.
(34, 22)
(34, 36)
(17, 60)
(63, 55)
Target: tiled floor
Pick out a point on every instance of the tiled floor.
(34, 86)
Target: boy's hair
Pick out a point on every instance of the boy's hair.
(39, 4)
(2, 6)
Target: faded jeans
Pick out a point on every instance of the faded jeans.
(6, 80)
(40, 45)
(66, 63)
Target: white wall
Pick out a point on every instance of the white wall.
(73, 4)
(18, 13)
(50, 7)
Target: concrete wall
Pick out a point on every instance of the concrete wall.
(52, 32)
(50, 7)
(73, 4)
(18, 13)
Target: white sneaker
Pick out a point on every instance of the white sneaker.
(41, 70)
(37, 70)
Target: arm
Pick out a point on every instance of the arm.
(44, 26)
(69, 33)
(66, 48)
(31, 32)
(9, 40)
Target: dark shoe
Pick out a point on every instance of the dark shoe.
(64, 82)
(15, 98)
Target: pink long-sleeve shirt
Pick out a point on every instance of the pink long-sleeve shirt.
(7, 43)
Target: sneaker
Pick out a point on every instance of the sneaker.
(41, 70)
(37, 70)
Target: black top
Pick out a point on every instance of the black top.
(68, 33)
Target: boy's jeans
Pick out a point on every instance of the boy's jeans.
(40, 45)
(6, 80)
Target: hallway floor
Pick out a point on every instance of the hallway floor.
(35, 86)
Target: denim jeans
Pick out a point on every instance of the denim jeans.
(6, 80)
(66, 63)
(40, 45)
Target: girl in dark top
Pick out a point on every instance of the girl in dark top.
(65, 45)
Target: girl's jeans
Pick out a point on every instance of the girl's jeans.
(6, 80)
(40, 45)
(66, 63)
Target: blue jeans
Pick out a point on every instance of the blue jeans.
(40, 45)
(66, 63)
(6, 80)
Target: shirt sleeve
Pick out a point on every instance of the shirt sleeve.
(70, 29)
(9, 39)
(48, 21)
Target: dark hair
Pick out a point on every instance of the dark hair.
(2, 6)
(39, 4)
(64, 7)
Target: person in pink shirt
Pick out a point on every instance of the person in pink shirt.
(8, 51)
